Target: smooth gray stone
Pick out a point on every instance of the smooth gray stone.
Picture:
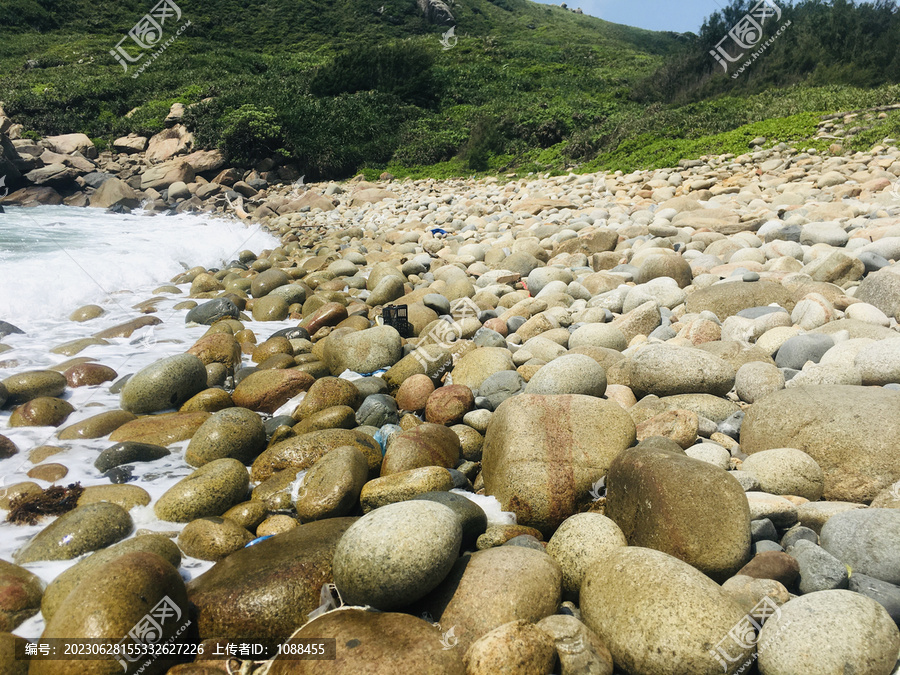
(762, 530)
(819, 570)
(437, 302)
(798, 532)
(210, 312)
(756, 312)
(501, 386)
(873, 261)
(764, 546)
(885, 594)
(802, 348)
(485, 337)
(377, 410)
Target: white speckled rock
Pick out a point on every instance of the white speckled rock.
(829, 633)
(396, 554)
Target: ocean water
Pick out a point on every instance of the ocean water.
(56, 259)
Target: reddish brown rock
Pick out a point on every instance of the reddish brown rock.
(7, 447)
(414, 392)
(329, 314)
(268, 390)
(20, 595)
(88, 374)
(447, 405)
(773, 565)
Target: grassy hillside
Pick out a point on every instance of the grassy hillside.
(335, 86)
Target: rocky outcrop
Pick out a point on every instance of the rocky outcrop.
(436, 11)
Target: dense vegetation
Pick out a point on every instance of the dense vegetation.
(338, 85)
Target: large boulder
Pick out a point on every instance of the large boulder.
(489, 588)
(849, 431)
(866, 541)
(364, 351)
(168, 143)
(543, 454)
(114, 192)
(396, 554)
(377, 643)
(666, 370)
(69, 143)
(205, 160)
(163, 175)
(882, 289)
(660, 616)
(266, 591)
(435, 11)
(682, 506)
(111, 602)
(729, 298)
(829, 632)
(130, 144)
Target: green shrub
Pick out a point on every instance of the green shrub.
(333, 137)
(402, 69)
(249, 134)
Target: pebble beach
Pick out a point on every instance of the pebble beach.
(639, 424)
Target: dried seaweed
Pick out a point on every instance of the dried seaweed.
(28, 509)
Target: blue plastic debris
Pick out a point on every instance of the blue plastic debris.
(259, 539)
(384, 434)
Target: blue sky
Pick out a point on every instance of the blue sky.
(680, 16)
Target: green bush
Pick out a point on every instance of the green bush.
(250, 134)
(402, 69)
(334, 137)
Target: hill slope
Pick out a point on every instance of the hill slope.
(337, 85)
